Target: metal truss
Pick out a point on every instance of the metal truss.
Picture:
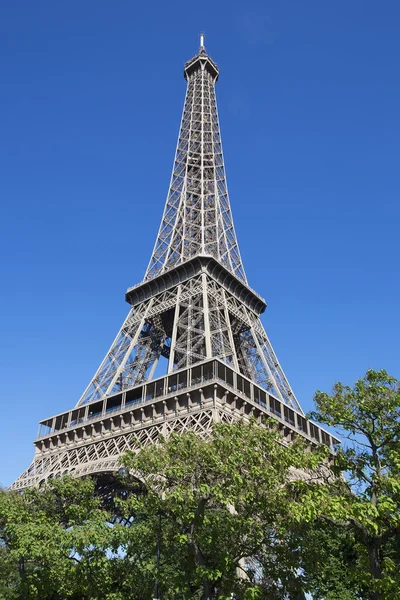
(90, 440)
(186, 324)
(197, 218)
(198, 319)
(104, 455)
(194, 304)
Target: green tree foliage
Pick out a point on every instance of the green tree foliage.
(364, 501)
(221, 508)
(224, 504)
(56, 543)
(328, 560)
(240, 515)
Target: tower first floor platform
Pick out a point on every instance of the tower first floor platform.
(90, 439)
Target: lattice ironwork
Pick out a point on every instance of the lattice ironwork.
(195, 320)
(194, 303)
(197, 218)
(103, 455)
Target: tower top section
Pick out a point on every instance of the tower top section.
(197, 219)
(201, 61)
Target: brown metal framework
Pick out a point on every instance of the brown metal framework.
(194, 310)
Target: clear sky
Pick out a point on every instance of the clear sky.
(90, 104)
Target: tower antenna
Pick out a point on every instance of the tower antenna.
(202, 36)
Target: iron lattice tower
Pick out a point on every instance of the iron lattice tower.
(195, 309)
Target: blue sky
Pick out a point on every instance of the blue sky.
(91, 100)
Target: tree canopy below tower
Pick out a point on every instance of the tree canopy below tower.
(240, 515)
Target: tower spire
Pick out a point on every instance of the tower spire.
(197, 219)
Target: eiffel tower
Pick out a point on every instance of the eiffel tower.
(194, 312)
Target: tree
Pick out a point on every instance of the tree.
(328, 560)
(220, 507)
(223, 503)
(364, 499)
(56, 543)
(241, 512)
